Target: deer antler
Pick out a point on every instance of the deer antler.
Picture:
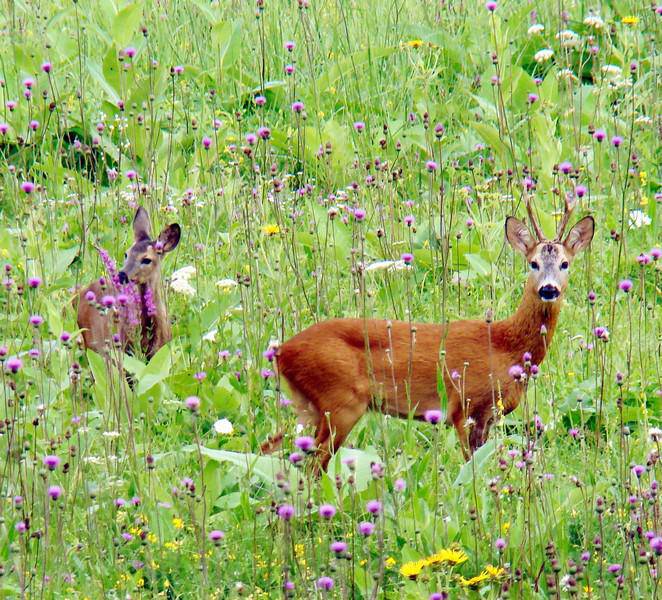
(569, 207)
(532, 218)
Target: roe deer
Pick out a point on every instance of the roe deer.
(131, 297)
(337, 369)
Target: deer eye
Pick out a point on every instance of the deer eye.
(146, 261)
(534, 265)
(564, 265)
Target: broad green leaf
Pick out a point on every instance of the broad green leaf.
(476, 464)
(156, 370)
(126, 24)
(98, 78)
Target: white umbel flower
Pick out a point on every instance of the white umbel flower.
(594, 21)
(184, 273)
(536, 29)
(639, 219)
(568, 38)
(543, 55)
(182, 286)
(226, 284)
(223, 427)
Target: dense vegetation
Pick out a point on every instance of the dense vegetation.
(304, 147)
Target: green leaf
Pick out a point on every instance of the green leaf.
(476, 464)
(227, 35)
(156, 370)
(479, 265)
(126, 23)
(99, 372)
(96, 74)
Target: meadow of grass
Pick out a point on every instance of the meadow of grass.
(301, 145)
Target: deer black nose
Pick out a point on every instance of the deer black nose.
(549, 292)
(123, 277)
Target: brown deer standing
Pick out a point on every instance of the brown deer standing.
(130, 298)
(337, 369)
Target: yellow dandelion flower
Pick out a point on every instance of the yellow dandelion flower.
(415, 43)
(140, 583)
(506, 527)
(389, 562)
(474, 581)
(630, 20)
(643, 177)
(178, 523)
(299, 550)
(413, 569)
(363, 562)
(588, 589)
(151, 538)
(452, 556)
(270, 230)
(494, 572)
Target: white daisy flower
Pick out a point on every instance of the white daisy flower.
(223, 427)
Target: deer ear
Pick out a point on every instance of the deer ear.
(141, 225)
(519, 236)
(580, 235)
(169, 237)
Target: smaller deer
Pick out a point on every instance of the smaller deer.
(130, 298)
(338, 369)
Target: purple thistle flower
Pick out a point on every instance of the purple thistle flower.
(431, 166)
(327, 511)
(289, 45)
(34, 282)
(616, 141)
(532, 98)
(286, 512)
(14, 365)
(491, 5)
(599, 135)
(625, 285)
(305, 443)
(131, 175)
(338, 547)
(359, 214)
(433, 416)
(643, 259)
(297, 107)
(614, 569)
(656, 253)
(46, 67)
(266, 373)
(656, 545)
(216, 536)
(638, 470)
(580, 191)
(289, 69)
(359, 126)
(51, 462)
(21, 527)
(325, 583)
(36, 320)
(295, 458)
(206, 142)
(407, 258)
(374, 507)
(192, 403)
(565, 167)
(264, 133)
(126, 536)
(54, 492)
(409, 220)
(4, 128)
(260, 100)
(602, 333)
(516, 372)
(500, 544)
(178, 69)
(27, 187)
(399, 485)
(366, 528)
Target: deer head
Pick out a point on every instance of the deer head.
(549, 260)
(142, 260)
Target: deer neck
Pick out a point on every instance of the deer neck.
(522, 332)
